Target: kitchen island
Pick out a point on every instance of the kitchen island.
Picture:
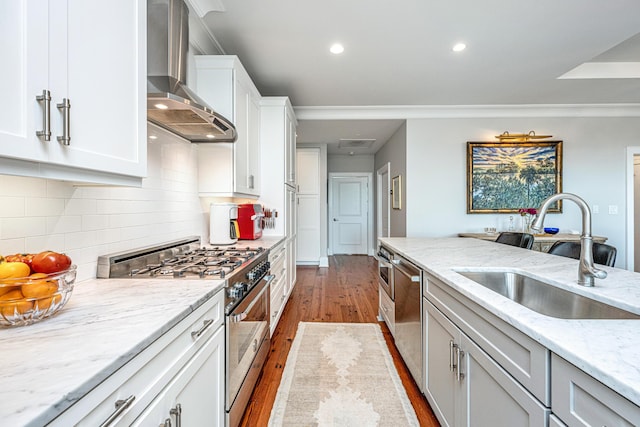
(607, 350)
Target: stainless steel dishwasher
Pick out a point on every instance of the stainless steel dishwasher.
(407, 280)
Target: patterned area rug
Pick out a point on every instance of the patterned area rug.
(341, 374)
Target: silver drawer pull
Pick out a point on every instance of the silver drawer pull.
(451, 362)
(459, 354)
(65, 106)
(177, 411)
(45, 133)
(121, 406)
(205, 325)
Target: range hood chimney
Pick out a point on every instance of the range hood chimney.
(170, 103)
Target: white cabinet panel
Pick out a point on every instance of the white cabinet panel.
(102, 78)
(581, 400)
(229, 169)
(23, 75)
(194, 395)
(308, 161)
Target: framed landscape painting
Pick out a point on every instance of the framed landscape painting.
(504, 177)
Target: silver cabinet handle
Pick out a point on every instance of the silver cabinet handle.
(451, 361)
(166, 423)
(65, 106)
(250, 181)
(177, 411)
(121, 406)
(459, 355)
(205, 325)
(45, 133)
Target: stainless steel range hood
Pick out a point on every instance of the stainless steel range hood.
(170, 103)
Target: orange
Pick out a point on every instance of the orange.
(13, 303)
(44, 303)
(4, 288)
(39, 288)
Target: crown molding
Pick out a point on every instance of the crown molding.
(385, 112)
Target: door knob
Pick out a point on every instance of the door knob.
(335, 219)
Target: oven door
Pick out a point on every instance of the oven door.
(385, 271)
(247, 334)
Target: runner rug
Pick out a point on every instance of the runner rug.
(341, 374)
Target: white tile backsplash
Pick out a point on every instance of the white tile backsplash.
(89, 221)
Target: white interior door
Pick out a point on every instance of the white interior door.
(349, 214)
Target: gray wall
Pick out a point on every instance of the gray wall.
(395, 152)
(355, 163)
(594, 167)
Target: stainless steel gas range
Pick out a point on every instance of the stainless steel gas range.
(247, 279)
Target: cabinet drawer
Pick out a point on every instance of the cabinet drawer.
(387, 310)
(278, 300)
(525, 359)
(581, 400)
(147, 373)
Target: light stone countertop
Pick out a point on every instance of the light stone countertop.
(608, 350)
(48, 366)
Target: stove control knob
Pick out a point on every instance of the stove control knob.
(251, 275)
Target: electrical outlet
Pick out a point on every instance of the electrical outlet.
(613, 209)
(596, 209)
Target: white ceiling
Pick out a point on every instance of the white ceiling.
(398, 53)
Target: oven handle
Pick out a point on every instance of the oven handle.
(235, 318)
(384, 263)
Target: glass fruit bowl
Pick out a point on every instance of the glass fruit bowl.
(28, 300)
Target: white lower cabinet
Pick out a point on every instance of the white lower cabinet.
(193, 397)
(580, 400)
(183, 366)
(466, 387)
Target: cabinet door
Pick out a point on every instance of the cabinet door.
(441, 387)
(491, 396)
(581, 400)
(23, 76)
(241, 146)
(253, 148)
(290, 148)
(103, 74)
(308, 162)
(291, 262)
(196, 393)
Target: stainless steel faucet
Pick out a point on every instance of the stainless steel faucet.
(587, 272)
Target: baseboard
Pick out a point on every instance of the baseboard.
(324, 261)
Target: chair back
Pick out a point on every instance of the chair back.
(521, 240)
(603, 254)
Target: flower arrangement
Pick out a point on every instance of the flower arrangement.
(527, 215)
(528, 211)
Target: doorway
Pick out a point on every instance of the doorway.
(350, 213)
(383, 186)
(633, 209)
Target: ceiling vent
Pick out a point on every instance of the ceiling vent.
(356, 143)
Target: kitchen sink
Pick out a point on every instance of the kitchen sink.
(544, 298)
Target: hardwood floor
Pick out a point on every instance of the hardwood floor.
(346, 292)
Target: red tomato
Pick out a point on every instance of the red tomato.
(50, 262)
(26, 258)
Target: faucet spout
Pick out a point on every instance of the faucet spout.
(587, 271)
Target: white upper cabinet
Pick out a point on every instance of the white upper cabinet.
(229, 169)
(91, 59)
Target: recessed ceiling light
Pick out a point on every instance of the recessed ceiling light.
(336, 48)
(459, 47)
(210, 136)
(161, 106)
(153, 137)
